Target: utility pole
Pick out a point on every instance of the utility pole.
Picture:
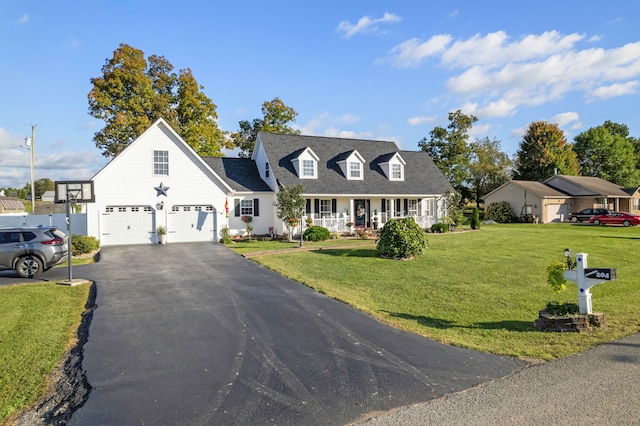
(33, 187)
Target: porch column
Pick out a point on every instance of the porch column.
(350, 217)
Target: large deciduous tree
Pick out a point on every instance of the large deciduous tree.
(276, 117)
(449, 149)
(489, 167)
(133, 92)
(608, 152)
(543, 150)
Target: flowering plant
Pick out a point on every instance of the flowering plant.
(349, 224)
(247, 219)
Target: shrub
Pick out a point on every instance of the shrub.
(439, 228)
(81, 244)
(567, 308)
(316, 233)
(225, 236)
(401, 238)
(475, 218)
(501, 212)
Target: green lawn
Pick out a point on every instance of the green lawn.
(480, 289)
(38, 322)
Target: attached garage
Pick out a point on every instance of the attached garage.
(191, 223)
(127, 225)
(557, 213)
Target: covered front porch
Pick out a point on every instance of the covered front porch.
(346, 214)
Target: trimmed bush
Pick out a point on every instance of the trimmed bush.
(475, 218)
(316, 233)
(501, 212)
(401, 238)
(82, 244)
(439, 228)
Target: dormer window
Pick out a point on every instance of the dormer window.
(308, 168)
(393, 167)
(352, 165)
(355, 169)
(396, 172)
(306, 164)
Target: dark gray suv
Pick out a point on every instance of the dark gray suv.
(30, 250)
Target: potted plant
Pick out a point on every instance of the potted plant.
(162, 235)
(349, 226)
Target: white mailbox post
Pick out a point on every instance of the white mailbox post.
(586, 278)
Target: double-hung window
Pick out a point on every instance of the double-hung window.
(355, 169)
(396, 171)
(413, 207)
(308, 168)
(325, 208)
(160, 163)
(246, 207)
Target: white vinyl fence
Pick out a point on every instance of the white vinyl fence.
(78, 221)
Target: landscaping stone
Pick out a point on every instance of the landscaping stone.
(571, 323)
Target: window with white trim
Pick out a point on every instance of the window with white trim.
(160, 162)
(355, 169)
(636, 203)
(308, 168)
(429, 207)
(413, 207)
(396, 171)
(325, 208)
(246, 207)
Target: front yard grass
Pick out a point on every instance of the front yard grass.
(38, 323)
(481, 289)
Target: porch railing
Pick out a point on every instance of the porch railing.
(339, 224)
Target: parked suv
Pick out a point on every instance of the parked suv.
(587, 214)
(30, 250)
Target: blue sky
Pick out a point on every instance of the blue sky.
(364, 69)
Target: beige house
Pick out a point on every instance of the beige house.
(557, 197)
(11, 205)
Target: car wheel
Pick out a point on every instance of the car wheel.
(574, 219)
(596, 222)
(29, 266)
(626, 223)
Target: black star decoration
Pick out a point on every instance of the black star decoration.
(162, 190)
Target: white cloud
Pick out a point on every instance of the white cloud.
(479, 131)
(565, 118)
(454, 13)
(366, 24)
(617, 89)
(421, 119)
(23, 19)
(412, 52)
(337, 133)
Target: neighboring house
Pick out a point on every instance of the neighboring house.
(555, 198)
(11, 205)
(48, 197)
(159, 180)
(634, 201)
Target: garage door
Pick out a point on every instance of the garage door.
(127, 225)
(191, 223)
(556, 212)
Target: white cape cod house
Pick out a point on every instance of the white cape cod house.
(160, 181)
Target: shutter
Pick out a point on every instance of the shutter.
(406, 206)
(334, 206)
(256, 207)
(307, 208)
(316, 206)
(383, 206)
(398, 208)
(236, 208)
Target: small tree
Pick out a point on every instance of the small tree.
(475, 219)
(289, 205)
(402, 238)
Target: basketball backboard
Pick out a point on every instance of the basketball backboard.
(76, 191)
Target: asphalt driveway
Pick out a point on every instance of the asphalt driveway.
(196, 334)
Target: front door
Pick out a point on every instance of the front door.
(362, 212)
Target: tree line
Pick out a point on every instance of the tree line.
(477, 168)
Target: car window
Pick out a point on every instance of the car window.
(28, 236)
(9, 237)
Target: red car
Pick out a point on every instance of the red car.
(616, 218)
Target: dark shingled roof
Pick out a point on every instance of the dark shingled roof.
(590, 186)
(241, 174)
(422, 176)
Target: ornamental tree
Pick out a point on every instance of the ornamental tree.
(290, 204)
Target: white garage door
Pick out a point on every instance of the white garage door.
(127, 225)
(556, 212)
(191, 223)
